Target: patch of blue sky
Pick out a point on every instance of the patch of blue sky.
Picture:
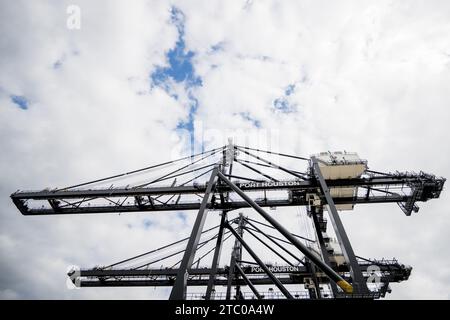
(189, 123)
(282, 104)
(289, 89)
(182, 216)
(180, 69)
(217, 47)
(246, 116)
(147, 223)
(20, 101)
(64, 57)
(57, 64)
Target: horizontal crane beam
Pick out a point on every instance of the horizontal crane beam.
(247, 186)
(391, 272)
(196, 206)
(385, 266)
(79, 201)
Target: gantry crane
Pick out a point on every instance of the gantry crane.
(241, 178)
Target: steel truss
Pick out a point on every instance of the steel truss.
(226, 191)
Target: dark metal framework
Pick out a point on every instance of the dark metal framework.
(236, 183)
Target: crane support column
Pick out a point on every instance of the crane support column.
(179, 288)
(215, 262)
(355, 271)
(323, 249)
(236, 256)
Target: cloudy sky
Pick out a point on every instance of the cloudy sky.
(130, 86)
